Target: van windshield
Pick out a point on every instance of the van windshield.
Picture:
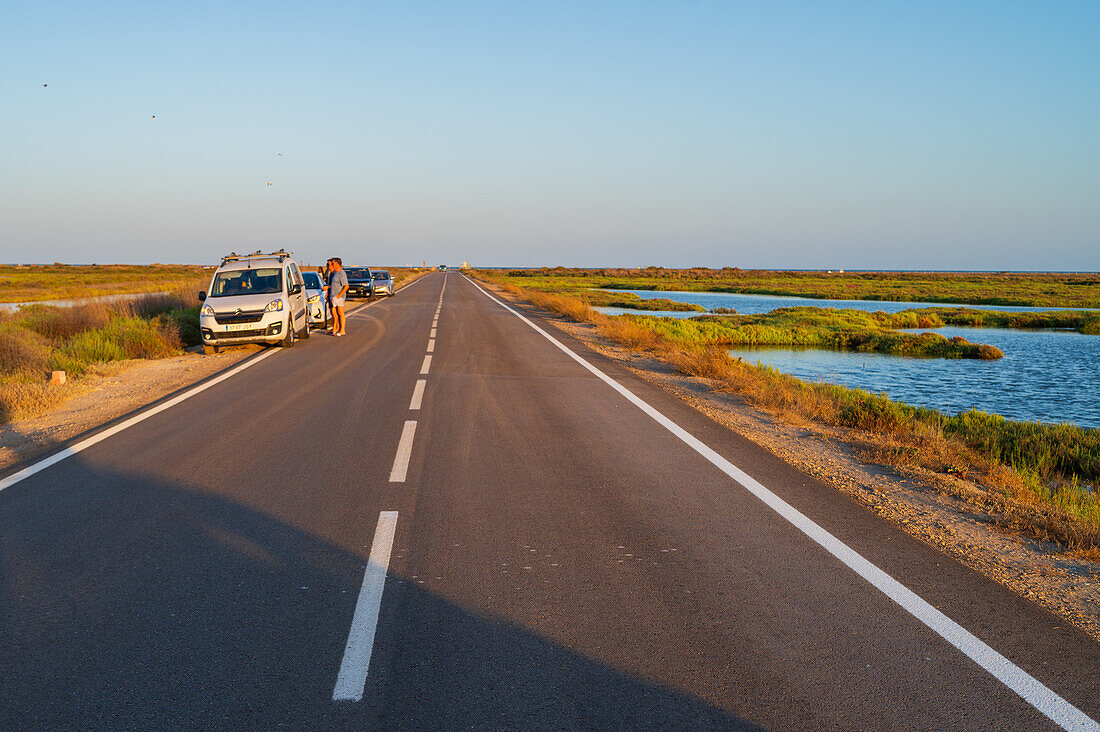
(263, 281)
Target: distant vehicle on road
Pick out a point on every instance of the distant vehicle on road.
(316, 302)
(383, 283)
(257, 298)
(360, 281)
(442, 268)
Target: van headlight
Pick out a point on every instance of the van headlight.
(207, 310)
(274, 306)
(314, 298)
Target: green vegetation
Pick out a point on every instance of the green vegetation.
(1082, 321)
(1072, 290)
(37, 339)
(1037, 478)
(847, 330)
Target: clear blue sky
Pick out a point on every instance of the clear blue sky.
(872, 135)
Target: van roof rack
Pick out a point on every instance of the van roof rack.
(282, 254)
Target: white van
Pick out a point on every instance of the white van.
(258, 298)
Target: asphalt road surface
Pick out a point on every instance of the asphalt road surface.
(446, 520)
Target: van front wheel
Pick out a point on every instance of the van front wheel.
(288, 339)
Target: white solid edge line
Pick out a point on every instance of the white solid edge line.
(418, 394)
(404, 452)
(431, 345)
(424, 367)
(352, 678)
(1015, 678)
(100, 436)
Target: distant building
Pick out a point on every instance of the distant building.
(465, 265)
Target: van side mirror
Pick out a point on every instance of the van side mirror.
(294, 289)
(202, 295)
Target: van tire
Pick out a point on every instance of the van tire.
(305, 331)
(288, 339)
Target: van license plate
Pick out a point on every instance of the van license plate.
(239, 326)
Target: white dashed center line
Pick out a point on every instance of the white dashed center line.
(431, 345)
(426, 365)
(418, 394)
(353, 669)
(404, 452)
(432, 334)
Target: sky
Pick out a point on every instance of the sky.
(805, 135)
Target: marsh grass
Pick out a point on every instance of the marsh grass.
(1040, 289)
(1036, 478)
(39, 338)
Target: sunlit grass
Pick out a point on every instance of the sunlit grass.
(27, 283)
(1068, 290)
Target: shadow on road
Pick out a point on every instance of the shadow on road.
(130, 604)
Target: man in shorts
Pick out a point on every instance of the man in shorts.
(337, 292)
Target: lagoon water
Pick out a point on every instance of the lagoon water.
(753, 304)
(1045, 376)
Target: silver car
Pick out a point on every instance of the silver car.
(316, 302)
(383, 283)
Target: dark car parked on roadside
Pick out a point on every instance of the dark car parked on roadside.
(360, 281)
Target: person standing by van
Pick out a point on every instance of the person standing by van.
(338, 290)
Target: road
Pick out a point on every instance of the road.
(446, 520)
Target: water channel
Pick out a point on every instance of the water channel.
(13, 306)
(1045, 376)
